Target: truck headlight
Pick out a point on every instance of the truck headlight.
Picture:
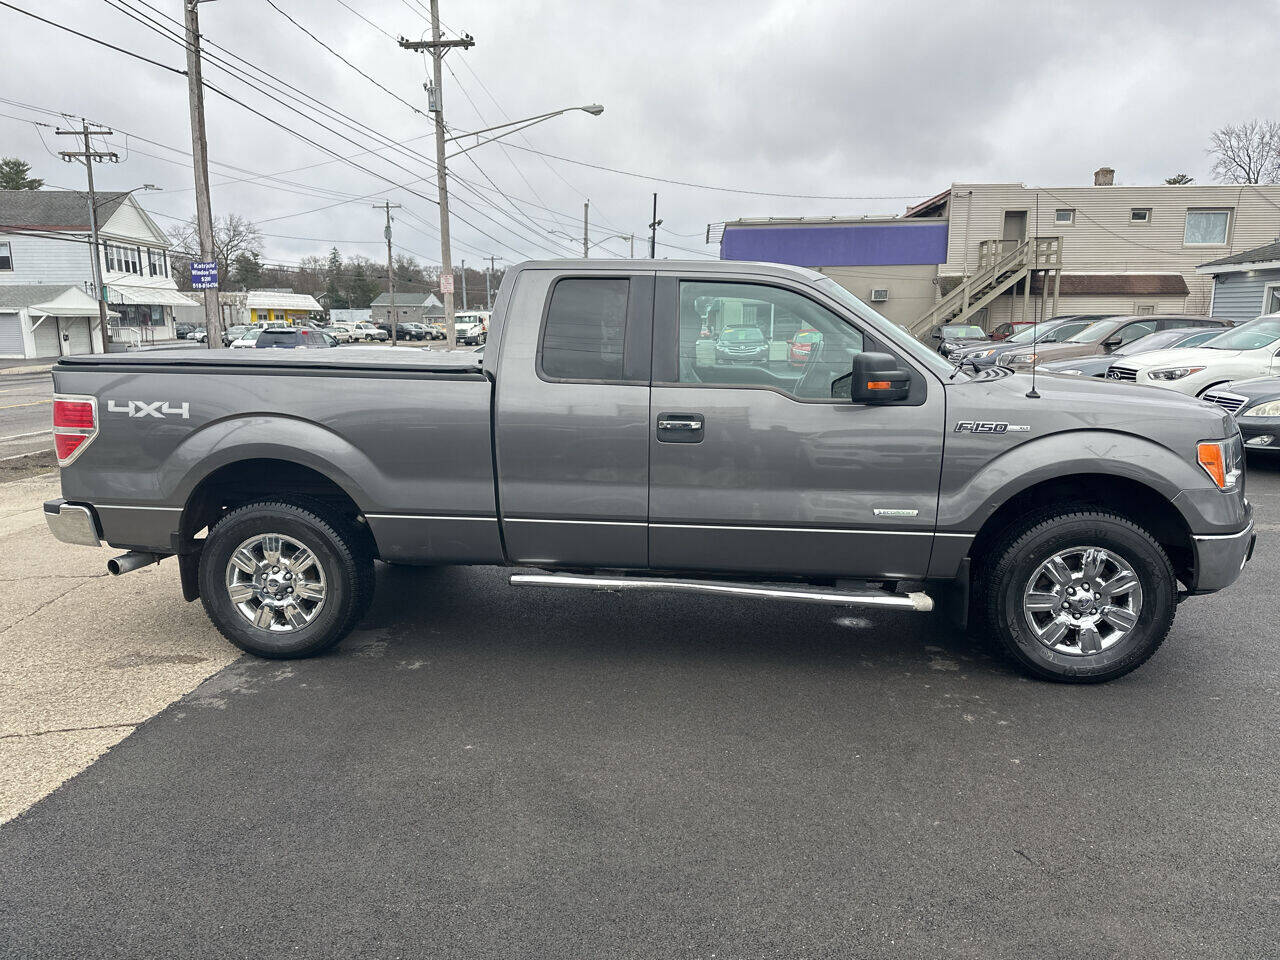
(1173, 373)
(1223, 460)
(1269, 409)
(980, 353)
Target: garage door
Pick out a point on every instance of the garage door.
(46, 335)
(10, 336)
(77, 328)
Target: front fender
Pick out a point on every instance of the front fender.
(975, 482)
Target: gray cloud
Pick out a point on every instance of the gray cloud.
(833, 98)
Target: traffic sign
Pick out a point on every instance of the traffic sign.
(204, 275)
(446, 283)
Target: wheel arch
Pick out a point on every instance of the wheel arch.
(1126, 496)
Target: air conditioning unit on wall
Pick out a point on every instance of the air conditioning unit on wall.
(879, 294)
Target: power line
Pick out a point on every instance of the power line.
(335, 53)
(103, 43)
(705, 186)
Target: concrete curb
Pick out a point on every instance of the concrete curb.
(29, 368)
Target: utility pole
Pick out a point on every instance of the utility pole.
(586, 242)
(435, 97)
(391, 274)
(653, 230)
(90, 157)
(488, 293)
(200, 160)
(464, 284)
(632, 238)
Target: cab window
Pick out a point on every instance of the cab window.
(747, 334)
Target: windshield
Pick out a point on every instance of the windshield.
(278, 338)
(1152, 341)
(1253, 335)
(962, 331)
(252, 334)
(1094, 332)
(742, 334)
(1050, 332)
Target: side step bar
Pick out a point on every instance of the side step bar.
(919, 601)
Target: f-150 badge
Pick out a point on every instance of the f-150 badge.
(990, 426)
(142, 408)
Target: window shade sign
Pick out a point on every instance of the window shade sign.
(204, 276)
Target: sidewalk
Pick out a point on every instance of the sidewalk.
(39, 365)
(84, 657)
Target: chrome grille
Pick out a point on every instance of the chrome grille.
(1122, 373)
(1228, 401)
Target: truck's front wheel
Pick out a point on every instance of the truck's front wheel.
(279, 580)
(1079, 596)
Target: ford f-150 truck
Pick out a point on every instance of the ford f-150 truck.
(602, 443)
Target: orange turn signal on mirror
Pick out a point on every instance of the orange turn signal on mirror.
(1211, 458)
(878, 385)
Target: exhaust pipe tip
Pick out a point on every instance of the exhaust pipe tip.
(132, 560)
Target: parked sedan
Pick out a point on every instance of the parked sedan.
(946, 337)
(1248, 351)
(987, 354)
(800, 344)
(1255, 404)
(248, 337)
(293, 338)
(1104, 337)
(1160, 340)
(742, 345)
(420, 331)
(340, 332)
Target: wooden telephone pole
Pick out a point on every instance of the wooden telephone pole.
(438, 49)
(391, 273)
(200, 161)
(90, 157)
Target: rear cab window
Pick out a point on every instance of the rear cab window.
(597, 330)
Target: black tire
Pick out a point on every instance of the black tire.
(338, 551)
(1018, 553)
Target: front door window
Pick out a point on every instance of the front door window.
(746, 334)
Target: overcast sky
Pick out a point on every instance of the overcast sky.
(876, 104)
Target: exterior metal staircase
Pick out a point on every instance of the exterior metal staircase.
(1001, 264)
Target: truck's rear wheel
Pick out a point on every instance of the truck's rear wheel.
(1079, 596)
(280, 580)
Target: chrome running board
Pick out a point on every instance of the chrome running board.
(919, 601)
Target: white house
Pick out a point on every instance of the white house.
(45, 242)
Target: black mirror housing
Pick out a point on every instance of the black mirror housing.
(879, 378)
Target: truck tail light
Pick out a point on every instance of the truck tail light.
(75, 424)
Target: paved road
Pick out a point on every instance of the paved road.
(482, 771)
(25, 414)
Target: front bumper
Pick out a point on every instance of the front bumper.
(72, 523)
(1220, 558)
(1260, 433)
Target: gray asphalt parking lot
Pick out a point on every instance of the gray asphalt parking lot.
(481, 770)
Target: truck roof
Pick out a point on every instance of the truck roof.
(680, 266)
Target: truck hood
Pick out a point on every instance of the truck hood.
(1186, 357)
(1084, 403)
(1058, 351)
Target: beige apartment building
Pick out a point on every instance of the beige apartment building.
(993, 252)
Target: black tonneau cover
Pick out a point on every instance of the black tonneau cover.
(373, 359)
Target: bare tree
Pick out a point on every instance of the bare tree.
(1246, 152)
(233, 236)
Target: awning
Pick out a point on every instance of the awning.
(149, 296)
(73, 302)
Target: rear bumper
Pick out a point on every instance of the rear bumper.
(1221, 558)
(72, 523)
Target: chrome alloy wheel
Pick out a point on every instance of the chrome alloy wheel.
(1082, 601)
(275, 582)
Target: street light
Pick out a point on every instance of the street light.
(145, 186)
(612, 236)
(516, 126)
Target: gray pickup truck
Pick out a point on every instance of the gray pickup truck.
(602, 443)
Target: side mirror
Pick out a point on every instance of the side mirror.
(879, 378)
(936, 335)
(1111, 343)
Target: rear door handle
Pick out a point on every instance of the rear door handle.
(680, 427)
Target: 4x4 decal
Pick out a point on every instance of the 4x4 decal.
(142, 408)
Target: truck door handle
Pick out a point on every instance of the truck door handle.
(680, 427)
